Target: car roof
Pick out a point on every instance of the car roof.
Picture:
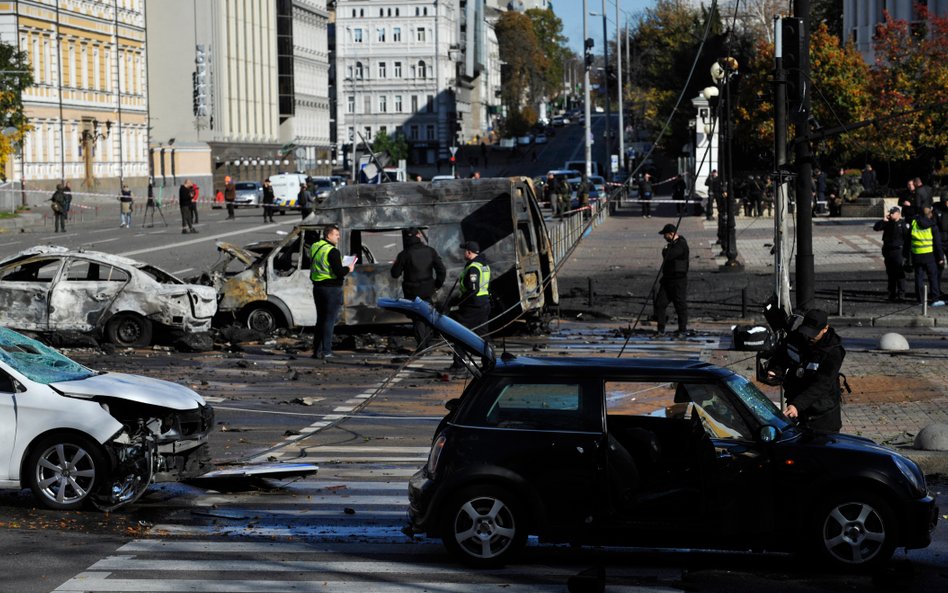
(659, 368)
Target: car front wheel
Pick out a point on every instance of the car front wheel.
(63, 470)
(484, 526)
(262, 318)
(129, 330)
(856, 530)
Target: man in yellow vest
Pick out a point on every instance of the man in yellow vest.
(927, 254)
(327, 273)
(473, 302)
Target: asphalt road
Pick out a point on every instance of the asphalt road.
(367, 420)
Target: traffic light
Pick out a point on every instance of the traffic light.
(588, 55)
(795, 59)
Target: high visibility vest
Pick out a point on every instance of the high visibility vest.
(484, 286)
(922, 241)
(320, 269)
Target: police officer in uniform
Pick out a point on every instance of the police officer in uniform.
(473, 303)
(894, 231)
(327, 273)
(423, 272)
(673, 286)
(808, 364)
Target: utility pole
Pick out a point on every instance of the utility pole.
(781, 270)
(619, 82)
(587, 62)
(800, 108)
(605, 82)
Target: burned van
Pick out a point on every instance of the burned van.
(268, 286)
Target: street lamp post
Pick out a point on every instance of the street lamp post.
(722, 72)
(87, 139)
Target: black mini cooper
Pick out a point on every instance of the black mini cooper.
(633, 452)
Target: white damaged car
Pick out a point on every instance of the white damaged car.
(75, 436)
(50, 288)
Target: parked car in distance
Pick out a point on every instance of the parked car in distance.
(559, 121)
(655, 453)
(50, 288)
(249, 193)
(322, 188)
(76, 436)
(524, 140)
(540, 139)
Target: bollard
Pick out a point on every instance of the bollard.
(925, 301)
(589, 296)
(839, 301)
(744, 303)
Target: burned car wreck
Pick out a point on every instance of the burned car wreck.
(75, 436)
(52, 289)
(266, 286)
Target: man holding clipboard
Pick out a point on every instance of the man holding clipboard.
(327, 272)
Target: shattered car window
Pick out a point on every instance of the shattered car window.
(159, 275)
(38, 362)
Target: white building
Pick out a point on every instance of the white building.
(396, 72)
(860, 18)
(304, 113)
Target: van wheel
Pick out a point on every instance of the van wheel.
(262, 318)
(62, 470)
(128, 330)
(855, 530)
(484, 526)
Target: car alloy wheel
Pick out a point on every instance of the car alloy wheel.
(63, 471)
(262, 319)
(857, 531)
(483, 526)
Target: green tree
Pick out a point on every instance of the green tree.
(548, 29)
(396, 146)
(522, 60)
(15, 76)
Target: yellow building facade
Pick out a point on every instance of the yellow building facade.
(88, 107)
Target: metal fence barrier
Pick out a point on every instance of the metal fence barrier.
(567, 231)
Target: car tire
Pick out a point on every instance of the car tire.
(854, 530)
(262, 318)
(63, 470)
(484, 526)
(128, 330)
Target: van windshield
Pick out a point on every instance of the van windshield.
(245, 185)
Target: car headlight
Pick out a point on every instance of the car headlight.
(435, 454)
(911, 473)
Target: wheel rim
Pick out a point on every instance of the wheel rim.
(65, 473)
(261, 320)
(484, 527)
(129, 331)
(854, 532)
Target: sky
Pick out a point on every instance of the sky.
(571, 13)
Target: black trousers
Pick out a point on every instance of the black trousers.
(475, 318)
(895, 274)
(675, 291)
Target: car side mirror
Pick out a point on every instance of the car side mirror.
(767, 434)
(451, 404)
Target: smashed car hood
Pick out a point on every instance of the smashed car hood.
(144, 390)
(243, 256)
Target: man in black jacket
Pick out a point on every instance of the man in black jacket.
(809, 363)
(894, 231)
(673, 285)
(268, 198)
(423, 271)
(185, 198)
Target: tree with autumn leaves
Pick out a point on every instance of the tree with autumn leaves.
(533, 53)
(15, 75)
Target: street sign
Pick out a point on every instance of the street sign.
(614, 163)
(453, 149)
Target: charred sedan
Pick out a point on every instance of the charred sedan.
(675, 453)
(75, 436)
(52, 288)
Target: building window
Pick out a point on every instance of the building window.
(414, 103)
(95, 68)
(367, 134)
(397, 12)
(420, 34)
(396, 33)
(353, 13)
(367, 104)
(430, 103)
(381, 15)
(381, 34)
(350, 104)
(381, 69)
(398, 70)
(398, 103)
(72, 65)
(359, 71)
(421, 68)
(414, 132)
(357, 35)
(383, 130)
(417, 11)
(429, 132)
(383, 104)
(351, 129)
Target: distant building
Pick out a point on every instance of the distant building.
(89, 102)
(860, 18)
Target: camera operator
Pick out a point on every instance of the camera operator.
(810, 359)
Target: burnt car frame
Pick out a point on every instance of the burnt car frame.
(274, 289)
(656, 453)
(76, 436)
(51, 288)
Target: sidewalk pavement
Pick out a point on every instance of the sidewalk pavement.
(894, 394)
